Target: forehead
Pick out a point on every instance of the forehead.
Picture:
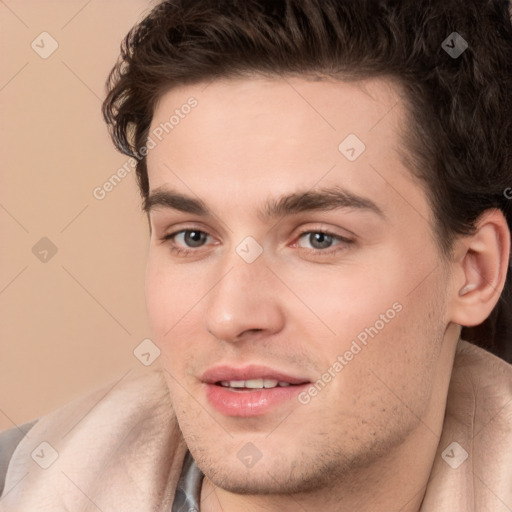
(260, 134)
(259, 109)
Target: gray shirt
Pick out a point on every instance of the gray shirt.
(188, 492)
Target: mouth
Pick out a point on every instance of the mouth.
(249, 385)
(250, 391)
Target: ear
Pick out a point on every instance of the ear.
(481, 265)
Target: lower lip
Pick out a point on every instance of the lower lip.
(250, 403)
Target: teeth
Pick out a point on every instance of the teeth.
(236, 383)
(253, 383)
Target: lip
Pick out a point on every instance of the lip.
(252, 402)
(218, 373)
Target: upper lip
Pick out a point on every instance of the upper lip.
(227, 373)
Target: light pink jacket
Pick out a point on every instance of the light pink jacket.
(119, 448)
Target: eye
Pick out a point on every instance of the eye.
(190, 238)
(322, 241)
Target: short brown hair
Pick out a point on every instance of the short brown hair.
(460, 138)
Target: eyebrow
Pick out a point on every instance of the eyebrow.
(324, 199)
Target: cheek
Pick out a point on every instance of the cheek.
(396, 365)
(385, 326)
(171, 293)
(345, 299)
(158, 297)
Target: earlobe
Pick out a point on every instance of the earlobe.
(484, 265)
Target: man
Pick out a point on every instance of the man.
(326, 190)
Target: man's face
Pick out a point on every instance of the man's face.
(345, 307)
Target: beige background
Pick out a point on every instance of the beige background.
(71, 323)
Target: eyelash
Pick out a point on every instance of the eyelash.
(180, 251)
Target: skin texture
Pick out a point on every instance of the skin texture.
(369, 437)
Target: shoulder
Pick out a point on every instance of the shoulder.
(487, 374)
(472, 465)
(126, 431)
(481, 383)
(468, 354)
(9, 440)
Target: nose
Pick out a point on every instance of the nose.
(245, 300)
